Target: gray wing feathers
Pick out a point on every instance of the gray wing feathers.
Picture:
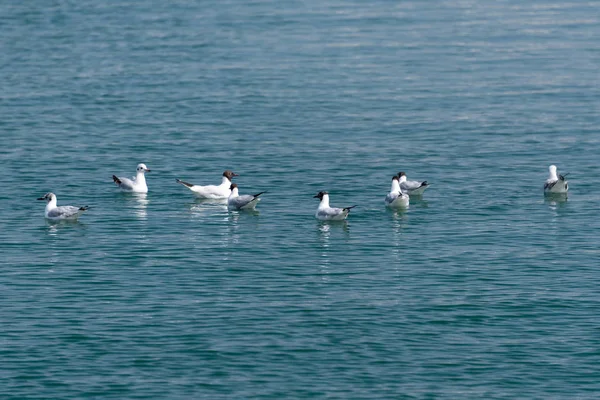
(126, 183)
(391, 197)
(65, 211)
(330, 212)
(244, 201)
(410, 185)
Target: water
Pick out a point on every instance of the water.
(481, 289)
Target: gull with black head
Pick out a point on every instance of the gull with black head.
(221, 191)
(396, 198)
(413, 188)
(327, 213)
(55, 213)
(243, 202)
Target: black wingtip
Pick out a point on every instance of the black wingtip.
(84, 208)
(258, 194)
(117, 180)
(184, 183)
(349, 208)
(424, 183)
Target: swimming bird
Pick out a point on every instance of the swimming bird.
(326, 213)
(556, 183)
(56, 213)
(137, 184)
(395, 198)
(221, 191)
(411, 187)
(244, 202)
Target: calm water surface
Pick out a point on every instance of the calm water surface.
(481, 289)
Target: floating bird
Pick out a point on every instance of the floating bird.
(326, 213)
(221, 191)
(415, 188)
(56, 213)
(556, 183)
(137, 184)
(395, 198)
(244, 202)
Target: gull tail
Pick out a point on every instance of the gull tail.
(189, 185)
(117, 180)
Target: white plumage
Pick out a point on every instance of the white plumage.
(556, 183)
(327, 213)
(395, 198)
(137, 184)
(53, 212)
(411, 187)
(244, 202)
(221, 191)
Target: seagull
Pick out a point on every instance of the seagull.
(245, 202)
(395, 198)
(326, 213)
(556, 183)
(63, 212)
(411, 187)
(221, 191)
(137, 184)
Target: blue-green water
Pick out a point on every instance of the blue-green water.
(482, 289)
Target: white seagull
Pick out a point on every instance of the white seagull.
(395, 198)
(411, 187)
(326, 213)
(556, 183)
(221, 191)
(137, 184)
(56, 213)
(244, 202)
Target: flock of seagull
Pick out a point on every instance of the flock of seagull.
(397, 198)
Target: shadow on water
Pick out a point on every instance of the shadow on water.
(556, 201)
(241, 221)
(203, 207)
(418, 202)
(54, 226)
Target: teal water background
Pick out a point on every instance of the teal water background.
(481, 289)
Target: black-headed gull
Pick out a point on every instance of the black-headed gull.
(326, 213)
(244, 202)
(411, 187)
(137, 184)
(56, 213)
(395, 198)
(556, 183)
(221, 191)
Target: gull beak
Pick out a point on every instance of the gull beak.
(234, 174)
(316, 196)
(41, 198)
(148, 170)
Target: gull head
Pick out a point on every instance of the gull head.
(48, 197)
(142, 168)
(320, 195)
(395, 178)
(552, 169)
(229, 174)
